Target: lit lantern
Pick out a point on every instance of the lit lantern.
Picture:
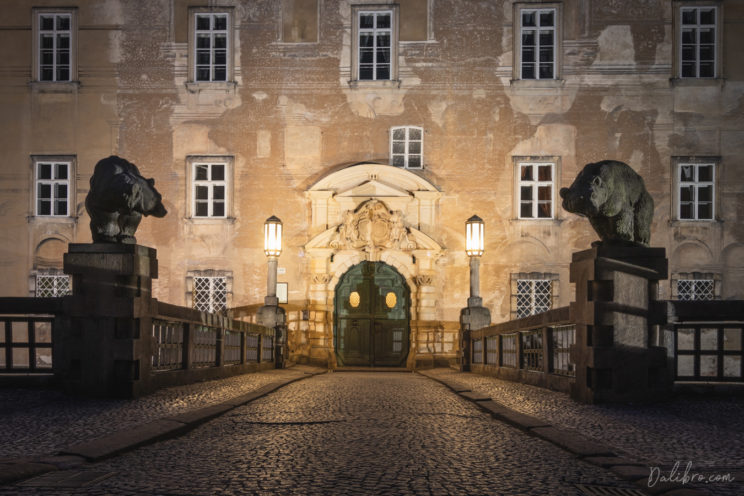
(273, 237)
(474, 234)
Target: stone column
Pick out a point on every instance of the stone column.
(102, 346)
(615, 307)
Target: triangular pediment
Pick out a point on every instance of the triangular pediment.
(373, 188)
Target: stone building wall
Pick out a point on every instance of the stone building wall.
(291, 115)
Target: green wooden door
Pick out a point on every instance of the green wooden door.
(372, 312)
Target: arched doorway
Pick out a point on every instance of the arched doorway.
(372, 316)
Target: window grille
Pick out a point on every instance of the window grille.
(210, 190)
(251, 347)
(55, 36)
(52, 188)
(536, 190)
(232, 347)
(267, 348)
(204, 347)
(478, 351)
(492, 350)
(52, 285)
(210, 293)
(533, 296)
(698, 42)
(406, 147)
(538, 43)
(211, 47)
(695, 289)
(375, 41)
(696, 191)
(169, 339)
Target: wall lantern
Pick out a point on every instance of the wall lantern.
(474, 234)
(273, 237)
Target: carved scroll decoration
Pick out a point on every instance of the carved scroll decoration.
(372, 227)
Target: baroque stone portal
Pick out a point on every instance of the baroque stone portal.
(118, 198)
(614, 199)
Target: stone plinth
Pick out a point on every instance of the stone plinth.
(274, 317)
(616, 290)
(106, 325)
(473, 317)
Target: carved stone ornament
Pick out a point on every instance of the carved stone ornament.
(322, 278)
(423, 280)
(372, 228)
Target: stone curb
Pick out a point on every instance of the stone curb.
(586, 449)
(128, 439)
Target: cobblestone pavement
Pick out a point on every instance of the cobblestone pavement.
(707, 431)
(39, 422)
(348, 433)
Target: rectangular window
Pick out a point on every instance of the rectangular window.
(696, 199)
(211, 46)
(697, 43)
(52, 188)
(407, 147)
(533, 296)
(536, 190)
(54, 41)
(537, 43)
(52, 285)
(210, 293)
(695, 289)
(375, 42)
(210, 190)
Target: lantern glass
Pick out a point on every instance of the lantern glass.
(474, 234)
(273, 237)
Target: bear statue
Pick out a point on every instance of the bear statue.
(614, 199)
(118, 198)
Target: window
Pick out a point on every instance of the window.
(52, 285)
(374, 49)
(211, 47)
(533, 296)
(211, 179)
(535, 190)
(537, 43)
(407, 147)
(698, 35)
(696, 199)
(52, 178)
(695, 289)
(54, 45)
(210, 293)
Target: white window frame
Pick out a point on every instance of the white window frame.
(696, 293)
(210, 184)
(53, 182)
(532, 295)
(61, 284)
(696, 185)
(519, 9)
(712, 279)
(192, 162)
(356, 31)
(193, 83)
(407, 141)
(38, 32)
(681, 8)
(535, 184)
(216, 293)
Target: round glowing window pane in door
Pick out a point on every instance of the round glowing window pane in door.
(391, 300)
(354, 299)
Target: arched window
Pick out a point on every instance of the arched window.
(407, 147)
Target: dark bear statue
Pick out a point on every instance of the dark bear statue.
(118, 198)
(614, 199)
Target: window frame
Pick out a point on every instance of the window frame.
(37, 13)
(696, 162)
(69, 161)
(357, 11)
(713, 278)
(557, 40)
(230, 31)
(192, 162)
(532, 277)
(554, 163)
(55, 275)
(407, 142)
(191, 287)
(677, 66)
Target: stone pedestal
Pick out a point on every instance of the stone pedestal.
(273, 316)
(474, 316)
(615, 307)
(106, 324)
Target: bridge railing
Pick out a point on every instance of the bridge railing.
(533, 350)
(26, 326)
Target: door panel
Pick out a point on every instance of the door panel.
(372, 306)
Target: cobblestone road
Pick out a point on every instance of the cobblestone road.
(348, 433)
